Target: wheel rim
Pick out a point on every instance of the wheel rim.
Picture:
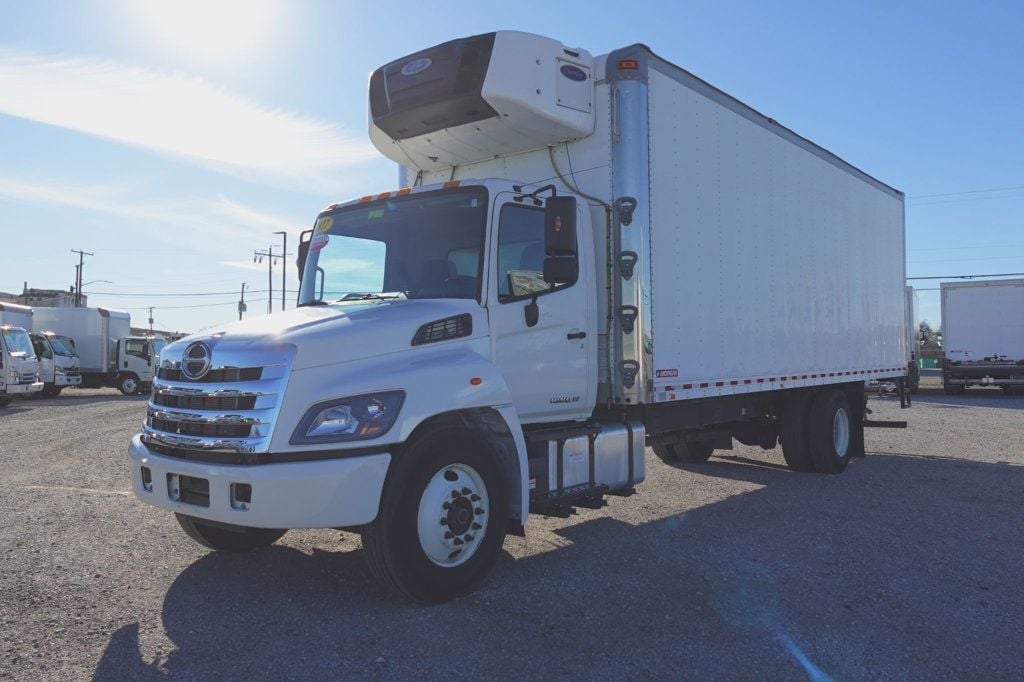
(841, 432)
(452, 517)
(129, 386)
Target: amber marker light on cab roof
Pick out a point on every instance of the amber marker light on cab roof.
(450, 184)
(476, 381)
(628, 64)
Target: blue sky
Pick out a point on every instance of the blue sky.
(172, 139)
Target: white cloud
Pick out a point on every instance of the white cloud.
(180, 115)
(218, 225)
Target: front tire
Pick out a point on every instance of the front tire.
(228, 538)
(128, 384)
(442, 517)
(5, 400)
(830, 431)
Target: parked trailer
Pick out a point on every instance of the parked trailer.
(109, 355)
(594, 255)
(982, 334)
(913, 329)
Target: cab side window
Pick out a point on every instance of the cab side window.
(136, 347)
(521, 253)
(41, 348)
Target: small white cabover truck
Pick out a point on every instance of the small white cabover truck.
(591, 255)
(982, 334)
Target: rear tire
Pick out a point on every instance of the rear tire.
(233, 539)
(953, 389)
(793, 432)
(5, 400)
(829, 431)
(428, 541)
(684, 452)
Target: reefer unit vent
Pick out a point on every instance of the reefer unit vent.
(476, 98)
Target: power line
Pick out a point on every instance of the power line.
(116, 294)
(969, 191)
(1000, 274)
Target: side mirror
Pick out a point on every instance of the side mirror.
(560, 270)
(300, 261)
(560, 226)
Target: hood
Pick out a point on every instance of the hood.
(337, 332)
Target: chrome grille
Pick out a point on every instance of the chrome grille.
(28, 377)
(230, 409)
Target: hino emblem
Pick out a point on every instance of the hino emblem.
(196, 361)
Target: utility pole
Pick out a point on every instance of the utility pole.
(78, 283)
(74, 289)
(241, 303)
(151, 319)
(284, 267)
(257, 257)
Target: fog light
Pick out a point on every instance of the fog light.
(147, 479)
(241, 495)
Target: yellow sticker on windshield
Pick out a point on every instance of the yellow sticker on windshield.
(375, 213)
(323, 224)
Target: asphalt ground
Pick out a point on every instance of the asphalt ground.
(908, 565)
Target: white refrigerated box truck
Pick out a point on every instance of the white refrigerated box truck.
(591, 255)
(982, 334)
(19, 365)
(109, 355)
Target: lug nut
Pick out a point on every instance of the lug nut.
(474, 497)
(446, 506)
(478, 511)
(455, 494)
(476, 526)
(466, 491)
(467, 537)
(458, 541)
(444, 522)
(448, 535)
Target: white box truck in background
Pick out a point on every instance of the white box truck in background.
(594, 255)
(58, 363)
(18, 363)
(913, 328)
(982, 334)
(109, 355)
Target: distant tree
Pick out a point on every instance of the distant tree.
(930, 338)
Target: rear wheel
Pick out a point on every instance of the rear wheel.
(5, 400)
(793, 432)
(685, 452)
(953, 389)
(829, 431)
(442, 517)
(228, 538)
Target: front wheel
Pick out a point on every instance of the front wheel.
(223, 537)
(5, 400)
(128, 384)
(442, 517)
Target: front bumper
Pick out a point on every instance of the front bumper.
(67, 380)
(18, 389)
(319, 494)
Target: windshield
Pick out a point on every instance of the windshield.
(69, 343)
(59, 348)
(425, 245)
(158, 345)
(19, 345)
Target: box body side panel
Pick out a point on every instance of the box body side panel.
(768, 261)
(983, 320)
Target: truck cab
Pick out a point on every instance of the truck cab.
(135, 363)
(58, 363)
(19, 365)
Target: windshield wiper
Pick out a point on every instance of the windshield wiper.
(304, 304)
(368, 296)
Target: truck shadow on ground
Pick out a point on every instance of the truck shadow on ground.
(974, 397)
(903, 565)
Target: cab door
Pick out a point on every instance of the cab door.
(45, 355)
(136, 358)
(550, 366)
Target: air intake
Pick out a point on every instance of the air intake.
(443, 330)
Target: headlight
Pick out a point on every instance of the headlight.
(14, 378)
(356, 418)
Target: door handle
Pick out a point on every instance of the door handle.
(572, 336)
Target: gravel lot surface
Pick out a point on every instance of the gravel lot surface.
(909, 565)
